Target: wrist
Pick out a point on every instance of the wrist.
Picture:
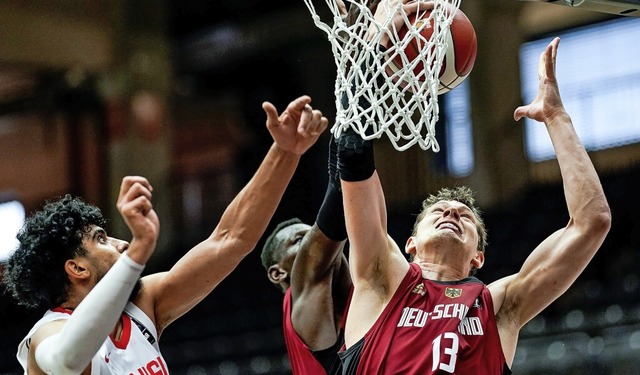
(559, 116)
(130, 262)
(355, 157)
(140, 250)
(284, 153)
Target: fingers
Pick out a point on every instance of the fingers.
(129, 181)
(315, 124)
(342, 7)
(141, 202)
(547, 102)
(551, 54)
(135, 194)
(299, 104)
(298, 127)
(415, 6)
(306, 118)
(547, 63)
(520, 112)
(271, 112)
(554, 45)
(311, 121)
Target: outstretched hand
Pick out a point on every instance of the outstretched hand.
(298, 127)
(548, 104)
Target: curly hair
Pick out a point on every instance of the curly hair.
(268, 255)
(34, 273)
(460, 194)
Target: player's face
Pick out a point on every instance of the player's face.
(451, 223)
(290, 239)
(102, 251)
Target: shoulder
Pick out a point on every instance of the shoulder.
(49, 325)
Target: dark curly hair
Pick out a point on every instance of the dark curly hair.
(34, 274)
(463, 195)
(268, 255)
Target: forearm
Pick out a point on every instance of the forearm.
(583, 190)
(241, 226)
(365, 214)
(71, 350)
(249, 214)
(315, 261)
(330, 218)
(238, 231)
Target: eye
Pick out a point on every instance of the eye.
(468, 216)
(102, 239)
(297, 240)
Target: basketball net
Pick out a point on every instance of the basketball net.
(375, 96)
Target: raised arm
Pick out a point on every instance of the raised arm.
(67, 346)
(320, 279)
(377, 266)
(372, 253)
(244, 221)
(556, 263)
(364, 206)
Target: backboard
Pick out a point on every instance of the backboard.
(618, 7)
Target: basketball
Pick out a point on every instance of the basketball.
(462, 47)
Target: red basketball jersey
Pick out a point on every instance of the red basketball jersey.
(300, 356)
(431, 327)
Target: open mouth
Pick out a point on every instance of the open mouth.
(449, 225)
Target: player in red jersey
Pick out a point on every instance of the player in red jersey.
(429, 316)
(308, 265)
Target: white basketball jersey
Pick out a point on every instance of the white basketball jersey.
(134, 353)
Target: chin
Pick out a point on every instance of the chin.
(447, 237)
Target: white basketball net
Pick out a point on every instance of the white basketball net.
(404, 99)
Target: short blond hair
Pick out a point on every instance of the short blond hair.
(460, 194)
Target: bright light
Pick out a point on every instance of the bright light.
(12, 217)
(459, 133)
(599, 78)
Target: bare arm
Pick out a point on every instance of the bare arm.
(366, 216)
(319, 288)
(556, 263)
(244, 221)
(320, 281)
(374, 260)
(377, 266)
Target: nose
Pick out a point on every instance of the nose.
(451, 211)
(120, 245)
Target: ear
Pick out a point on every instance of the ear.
(75, 269)
(276, 274)
(410, 246)
(478, 260)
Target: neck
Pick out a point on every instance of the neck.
(440, 272)
(66, 307)
(284, 286)
(73, 300)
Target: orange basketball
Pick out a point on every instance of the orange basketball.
(462, 47)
